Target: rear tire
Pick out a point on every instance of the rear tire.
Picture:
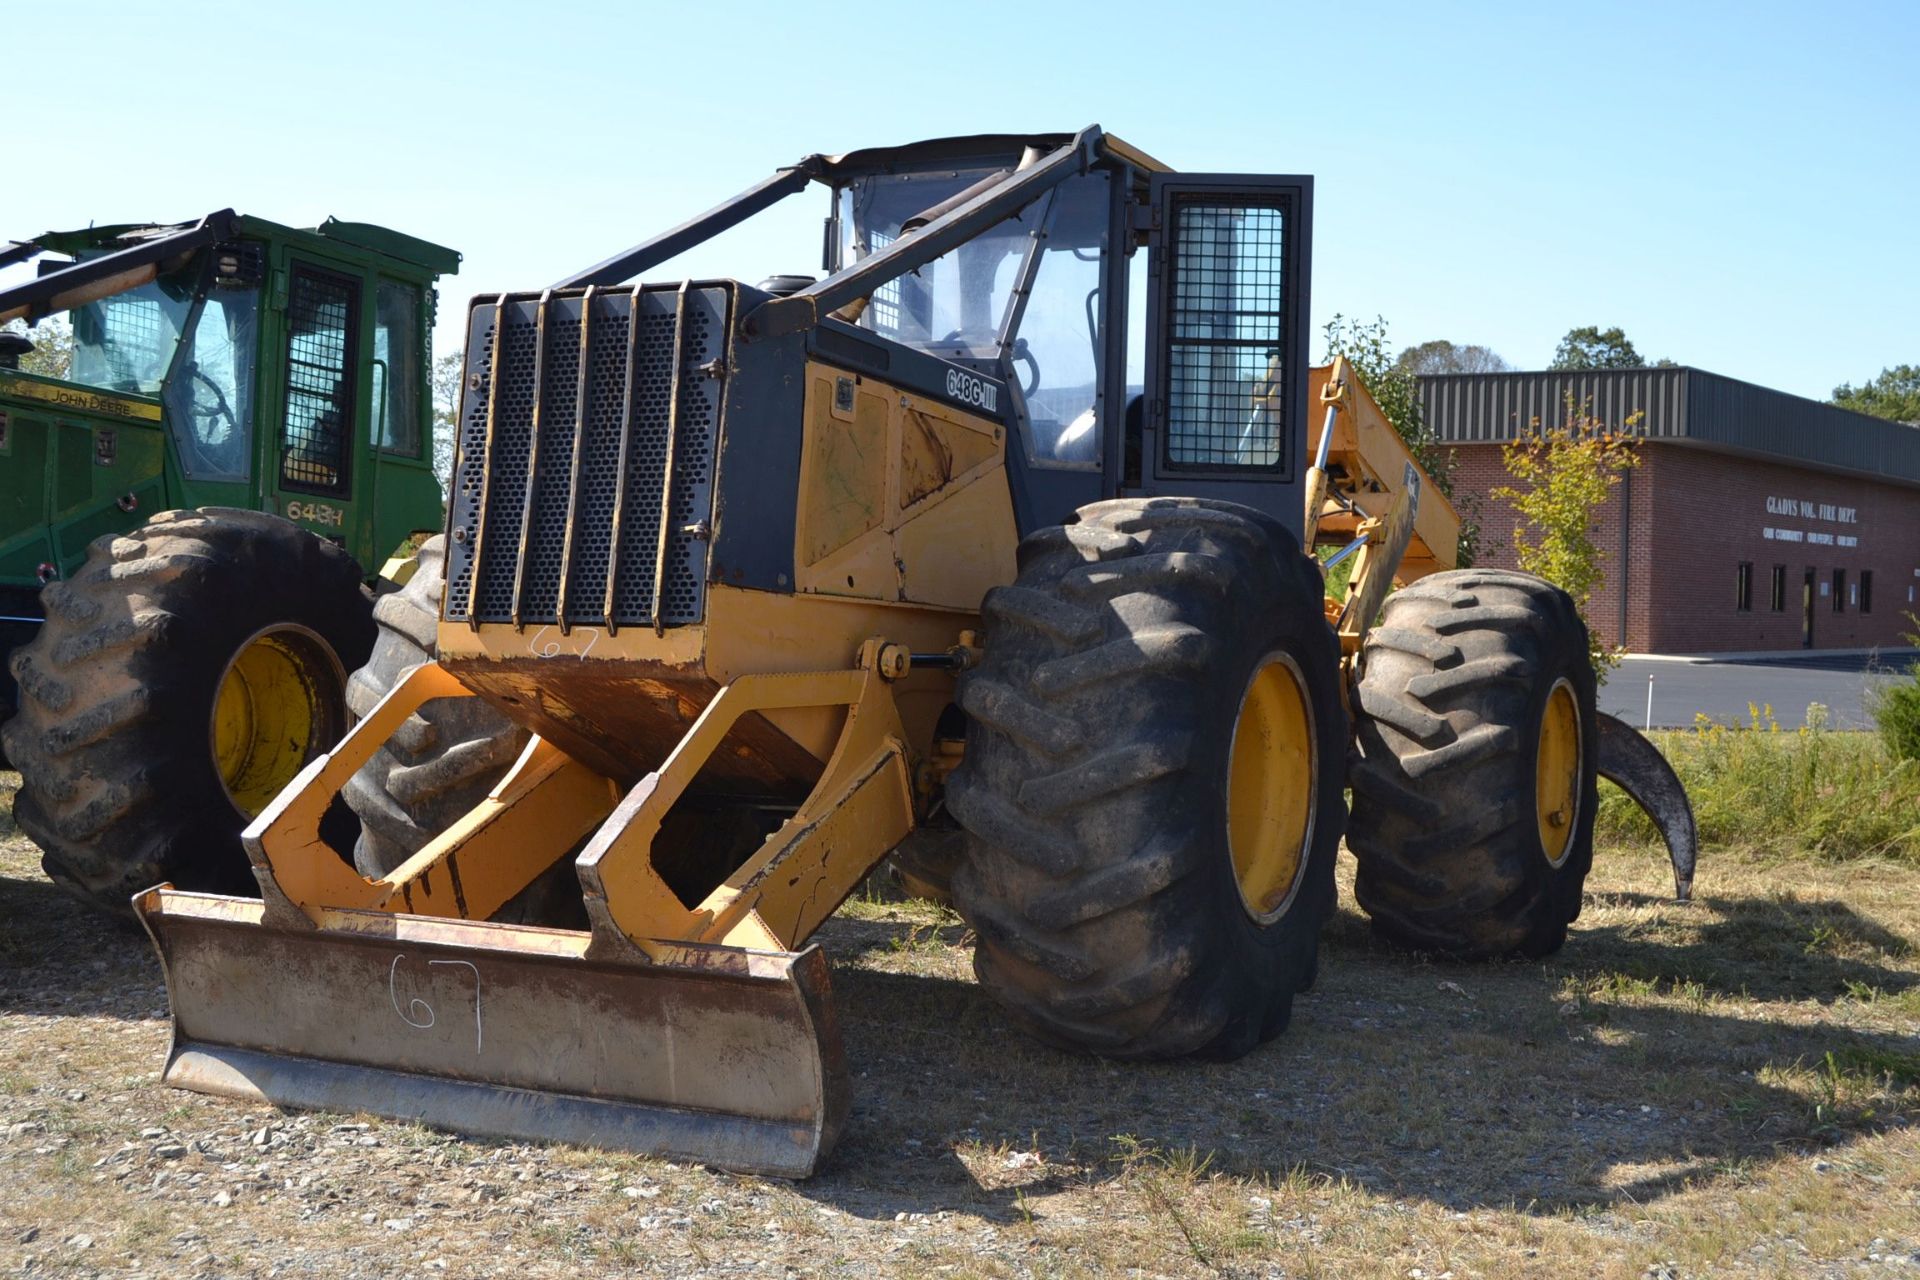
(1455, 688)
(188, 668)
(1101, 766)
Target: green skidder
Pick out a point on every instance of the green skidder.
(222, 433)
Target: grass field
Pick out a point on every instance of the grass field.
(1724, 1087)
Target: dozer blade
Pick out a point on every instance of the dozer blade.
(720, 1055)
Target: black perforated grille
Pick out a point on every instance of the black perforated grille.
(321, 314)
(628, 387)
(1226, 335)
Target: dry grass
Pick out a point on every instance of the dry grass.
(1724, 1087)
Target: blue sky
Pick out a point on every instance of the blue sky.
(1736, 185)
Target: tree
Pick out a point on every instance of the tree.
(52, 354)
(1894, 394)
(1567, 471)
(449, 372)
(1442, 356)
(1592, 347)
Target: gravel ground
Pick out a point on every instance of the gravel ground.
(1687, 1090)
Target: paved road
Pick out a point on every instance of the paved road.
(1722, 689)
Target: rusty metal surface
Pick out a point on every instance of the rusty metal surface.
(728, 1057)
(621, 718)
(1636, 766)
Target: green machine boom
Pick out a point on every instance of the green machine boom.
(194, 499)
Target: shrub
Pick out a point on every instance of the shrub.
(1896, 709)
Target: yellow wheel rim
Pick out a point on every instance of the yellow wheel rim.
(1271, 777)
(278, 707)
(1556, 774)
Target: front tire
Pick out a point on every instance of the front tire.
(182, 677)
(1152, 781)
(445, 757)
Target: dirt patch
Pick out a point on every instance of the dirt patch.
(1724, 1087)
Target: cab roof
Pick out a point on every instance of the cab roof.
(365, 236)
(968, 151)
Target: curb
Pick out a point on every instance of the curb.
(1751, 655)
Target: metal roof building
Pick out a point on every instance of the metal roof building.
(1681, 405)
(1756, 520)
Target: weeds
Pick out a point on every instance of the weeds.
(1152, 1169)
(1904, 1004)
(1812, 791)
(932, 937)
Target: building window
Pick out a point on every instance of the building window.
(1839, 590)
(1743, 588)
(1779, 588)
(1866, 591)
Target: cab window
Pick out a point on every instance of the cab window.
(1021, 298)
(126, 342)
(397, 349)
(1056, 349)
(954, 305)
(1226, 300)
(211, 393)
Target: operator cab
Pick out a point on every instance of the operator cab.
(229, 361)
(1039, 301)
(190, 337)
(994, 272)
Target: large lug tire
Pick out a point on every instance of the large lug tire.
(444, 758)
(1474, 794)
(183, 675)
(923, 865)
(1152, 781)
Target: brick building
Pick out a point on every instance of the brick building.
(1756, 520)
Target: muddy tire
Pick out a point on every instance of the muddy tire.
(923, 865)
(1474, 688)
(1107, 743)
(444, 758)
(182, 675)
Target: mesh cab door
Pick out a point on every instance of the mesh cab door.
(320, 405)
(317, 422)
(1229, 261)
